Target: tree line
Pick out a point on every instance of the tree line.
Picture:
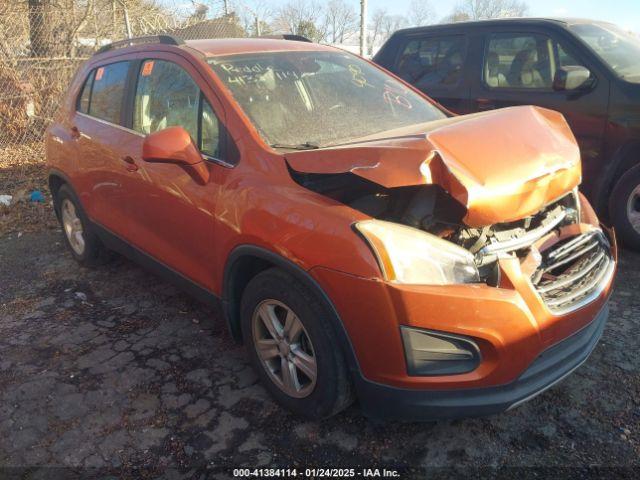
(55, 26)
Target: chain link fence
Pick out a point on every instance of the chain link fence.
(42, 44)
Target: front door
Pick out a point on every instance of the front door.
(171, 213)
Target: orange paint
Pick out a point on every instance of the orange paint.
(502, 166)
(147, 68)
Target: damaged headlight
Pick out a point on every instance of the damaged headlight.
(408, 255)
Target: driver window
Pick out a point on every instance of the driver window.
(566, 59)
(166, 96)
(210, 142)
(524, 61)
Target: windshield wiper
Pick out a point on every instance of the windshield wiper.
(300, 146)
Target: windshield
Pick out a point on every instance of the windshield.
(621, 50)
(315, 98)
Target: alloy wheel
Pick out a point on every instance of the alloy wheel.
(633, 208)
(72, 226)
(284, 348)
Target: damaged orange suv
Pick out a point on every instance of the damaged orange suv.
(364, 242)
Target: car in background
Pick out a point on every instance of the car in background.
(361, 241)
(587, 70)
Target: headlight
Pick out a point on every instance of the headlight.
(409, 255)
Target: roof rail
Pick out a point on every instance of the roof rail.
(287, 36)
(150, 39)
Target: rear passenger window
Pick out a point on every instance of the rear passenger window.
(433, 61)
(108, 91)
(85, 96)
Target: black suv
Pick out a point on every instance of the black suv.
(589, 71)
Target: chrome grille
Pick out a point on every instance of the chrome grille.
(573, 272)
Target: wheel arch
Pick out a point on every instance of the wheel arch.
(244, 263)
(56, 180)
(624, 159)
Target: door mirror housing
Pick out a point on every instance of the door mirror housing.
(174, 145)
(571, 78)
(171, 145)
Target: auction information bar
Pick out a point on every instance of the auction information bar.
(315, 473)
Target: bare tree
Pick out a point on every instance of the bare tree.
(342, 21)
(483, 9)
(375, 29)
(200, 11)
(54, 25)
(255, 16)
(420, 13)
(303, 17)
(391, 23)
(382, 26)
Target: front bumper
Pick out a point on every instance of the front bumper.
(551, 366)
(524, 346)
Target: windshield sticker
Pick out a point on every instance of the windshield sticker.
(147, 69)
(357, 77)
(99, 73)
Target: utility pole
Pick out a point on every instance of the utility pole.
(226, 7)
(363, 27)
(258, 29)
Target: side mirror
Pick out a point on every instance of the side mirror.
(174, 145)
(571, 78)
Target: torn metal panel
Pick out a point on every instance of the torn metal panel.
(502, 165)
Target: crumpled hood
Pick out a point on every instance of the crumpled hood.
(503, 165)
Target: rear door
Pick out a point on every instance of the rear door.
(518, 68)
(435, 63)
(102, 179)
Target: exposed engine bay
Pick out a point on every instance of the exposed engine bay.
(568, 272)
(513, 194)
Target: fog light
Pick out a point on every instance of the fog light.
(435, 353)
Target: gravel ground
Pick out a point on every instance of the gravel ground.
(114, 368)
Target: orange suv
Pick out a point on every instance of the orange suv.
(364, 242)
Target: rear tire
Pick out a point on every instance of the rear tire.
(291, 344)
(83, 243)
(625, 208)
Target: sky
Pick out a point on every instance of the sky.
(625, 13)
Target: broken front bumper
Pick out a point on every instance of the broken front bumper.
(551, 366)
(524, 345)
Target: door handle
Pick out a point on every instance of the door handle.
(75, 132)
(131, 163)
(485, 104)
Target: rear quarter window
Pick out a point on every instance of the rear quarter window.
(85, 96)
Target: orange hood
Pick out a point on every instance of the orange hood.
(503, 165)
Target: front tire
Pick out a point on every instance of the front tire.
(625, 208)
(292, 346)
(83, 243)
